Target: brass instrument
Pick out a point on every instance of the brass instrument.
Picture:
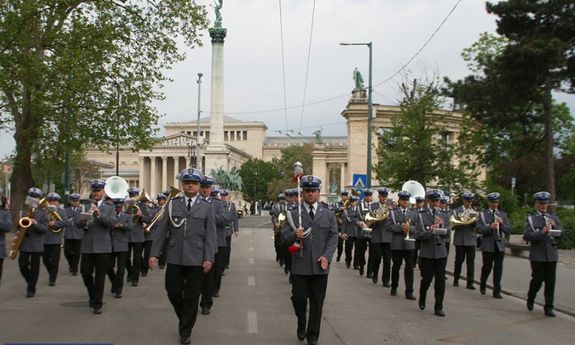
(54, 215)
(339, 214)
(408, 233)
(281, 220)
(552, 232)
(468, 216)
(24, 223)
(379, 215)
(132, 207)
(173, 193)
(498, 221)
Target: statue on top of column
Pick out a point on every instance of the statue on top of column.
(218, 6)
(358, 78)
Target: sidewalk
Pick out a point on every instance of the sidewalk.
(517, 274)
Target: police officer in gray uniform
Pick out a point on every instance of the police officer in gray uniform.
(432, 253)
(73, 235)
(339, 207)
(136, 238)
(120, 234)
(53, 237)
(233, 227)
(278, 208)
(350, 232)
(5, 226)
(465, 242)
(191, 227)
(96, 244)
(382, 244)
(33, 243)
(401, 222)
(541, 230)
(493, 227)
(317, 235)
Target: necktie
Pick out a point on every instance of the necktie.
(311, 211)
(404, 212)
(189, 204)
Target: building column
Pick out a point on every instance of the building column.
(342, 178)
(176, 171)
(188, 162)
(164, 173)
(141, 179)
(153, 177)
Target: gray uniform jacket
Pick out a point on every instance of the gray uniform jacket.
(350, 218)
(490, 239)
(223, 219)
(276, 209)
(393, 225)
(543, 247)
(5, 226)
(191, 235)
(120, 232)
(33, 241)
(234, 224)
(432, 246)
(137, 233)
(97, 239)
(52, 237)
(322, 241)
(379, 233)
(465, 235)
(72, 232)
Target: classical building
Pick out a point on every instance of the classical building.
(335, 159)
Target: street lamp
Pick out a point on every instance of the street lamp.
(198, 145)
(369, 108)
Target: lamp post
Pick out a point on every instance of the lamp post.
(198, 145)
(369, 108)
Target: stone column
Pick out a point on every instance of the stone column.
(141, 178)
(164, 173)
(176, 171)
(320, 167)
(153, 177)
(216, 153)
(342, 178)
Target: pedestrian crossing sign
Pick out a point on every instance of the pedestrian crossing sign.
(359, 181)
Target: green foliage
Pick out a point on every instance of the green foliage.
(254, 173)
(285, 168)
(413, 148)
(567, 217)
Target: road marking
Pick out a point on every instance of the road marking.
(251, 261)
(252, 322)
(251, 249)
(251, 281)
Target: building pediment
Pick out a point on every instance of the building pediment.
(176, 140)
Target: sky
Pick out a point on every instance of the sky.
(253, 82)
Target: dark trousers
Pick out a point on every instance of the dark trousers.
(286, 258)
(467, 254)
(492, 260)
(30, 268)
(349, 244)
(218, 268)
(430, 269)
(163, 254)
(339, 247)
(382, 250)
(398, 256)
(184, 286)
(229, 252)
(278, 245)
(371, 258)
(543, 272)
(359, 254)
(93, 268)
(117, 276)
(1, 266)
(51, 259)
(147, 249)
(72, 254)
(207, 289)
(310, 288)
(134, 261)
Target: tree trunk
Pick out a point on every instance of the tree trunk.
(549, 144)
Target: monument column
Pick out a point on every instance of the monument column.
(164, 173)
(216, 153)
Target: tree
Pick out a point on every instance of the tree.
(253, 173)
(285, 167)
(413, 148)
(75, 73)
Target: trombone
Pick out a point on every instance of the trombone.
(173, 193)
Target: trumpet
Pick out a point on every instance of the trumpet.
(498, 221)
(408, 232)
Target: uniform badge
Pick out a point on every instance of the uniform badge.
(309, 178)
(176, 219)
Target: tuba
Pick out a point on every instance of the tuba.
(415, 189)
(468, 216)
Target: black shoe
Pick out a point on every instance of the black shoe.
(356, 267)
(30, 294)
(361, 271)
(312, 342)
(482, 290)
(455, 283)
(51, 283)
(393, 292)
(290, 279)
(497, 295)
(162, 267)
(439, 312)
(386, 285)
(374, 279)
(338, 258)
(216, 295)
(91, 304)
(97, 310)
(549, 312)
(185, 340)
(301, 331)
(347, 265)
(205, 311)
(410, 297)
(134, 284)
(113, 290)
(471, 287)
(369, 275)
(118, 295)
(530, 304)
(144, 274)
(421, 303)
(74, 273)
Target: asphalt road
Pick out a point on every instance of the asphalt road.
(254, 308)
